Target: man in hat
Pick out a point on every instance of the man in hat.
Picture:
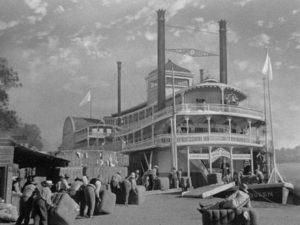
(132, 180)
(42, 203)
(152, 177)
(26, 201)
(173, 178)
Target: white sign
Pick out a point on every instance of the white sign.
(198, 156)
(218, 153)
(241, 156)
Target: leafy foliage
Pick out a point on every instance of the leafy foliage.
(8, 79)
(31, 134)
(9, 120)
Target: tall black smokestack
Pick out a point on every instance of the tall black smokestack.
(161, 90)
(223, 52)
(201, 75)
(119, 88)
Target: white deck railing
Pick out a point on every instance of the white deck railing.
(165, 140)
(193, 109)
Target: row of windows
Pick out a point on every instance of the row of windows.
(169, 81)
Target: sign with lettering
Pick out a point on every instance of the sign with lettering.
(241, 156)
(219, 152)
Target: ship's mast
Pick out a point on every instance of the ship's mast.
(174, 136)
(275, 173)
(266, 129)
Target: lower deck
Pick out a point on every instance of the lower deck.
(198, 162)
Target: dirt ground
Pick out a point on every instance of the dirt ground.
(169, 209)
(173, 210)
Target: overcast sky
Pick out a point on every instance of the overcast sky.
(62, 49)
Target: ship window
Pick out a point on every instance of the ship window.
(141, 115)
(152, 84)
(136, 116)
(108, 131)
(148, 112)
(177, 81)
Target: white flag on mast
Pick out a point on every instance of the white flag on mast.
(86, 99)
(267, 69)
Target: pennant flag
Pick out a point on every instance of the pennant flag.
(191, 52)
(267, 69)
(86, 99)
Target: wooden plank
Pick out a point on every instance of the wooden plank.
(218, 190)
(6, 161)
(6, 157)
(6, 151)
(207, 191)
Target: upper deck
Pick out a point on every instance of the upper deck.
(128, 125)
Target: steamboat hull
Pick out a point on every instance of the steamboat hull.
(277, 192)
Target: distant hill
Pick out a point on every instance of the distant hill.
(288, 155)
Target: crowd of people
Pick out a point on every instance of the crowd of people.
(36, 200)
(239, 177)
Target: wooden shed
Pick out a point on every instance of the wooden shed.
(12, 154)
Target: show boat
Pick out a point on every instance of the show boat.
(193, 126)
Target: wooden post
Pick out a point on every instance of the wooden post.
(229, 121)
(152, 133)
(231, 161)
(250, 130)
(188, 161)
(88, 137)
(145, 156)
(210, 160)
(7, 157)
(208, 125)
(150, 160)
(252, 164)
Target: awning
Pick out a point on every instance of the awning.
(26, 157)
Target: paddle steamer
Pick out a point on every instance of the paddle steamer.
(192, 126)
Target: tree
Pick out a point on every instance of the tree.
(30, 134)
(9, 121)
(8, 79)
